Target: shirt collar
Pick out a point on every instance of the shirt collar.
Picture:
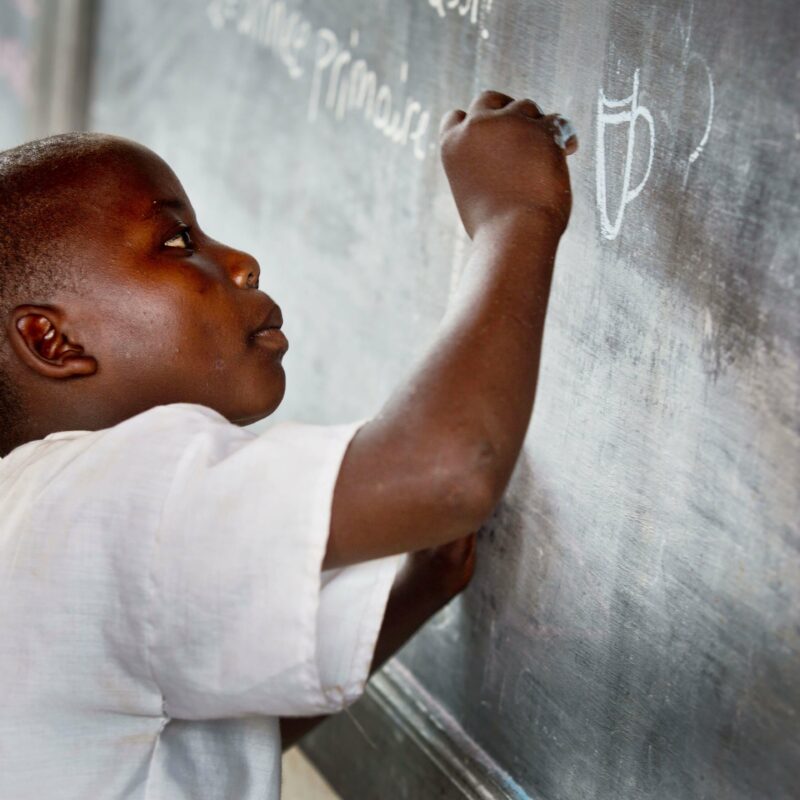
(52, 437)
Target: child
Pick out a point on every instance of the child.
(181, 596)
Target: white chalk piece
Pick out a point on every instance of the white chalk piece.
(564, 131)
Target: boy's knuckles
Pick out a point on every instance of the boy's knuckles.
(499, 161)
(526, 108)
(450, 120)
(491, 99)
(514, 128)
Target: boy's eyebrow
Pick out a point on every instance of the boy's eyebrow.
(158, 205)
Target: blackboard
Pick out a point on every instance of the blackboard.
(632, 629)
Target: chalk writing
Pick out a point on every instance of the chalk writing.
(285, 34)
(626, 112)
(476, 11)
(340, 84)
(343, 86)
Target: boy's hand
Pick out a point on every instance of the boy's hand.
(446, 570)
(502, 157)
(429, 580)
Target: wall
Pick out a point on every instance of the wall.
(17, 62)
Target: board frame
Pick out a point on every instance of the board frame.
(398, 723)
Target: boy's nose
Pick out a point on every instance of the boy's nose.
(244, 270)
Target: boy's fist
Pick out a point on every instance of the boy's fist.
(504, 156)
(447, 569)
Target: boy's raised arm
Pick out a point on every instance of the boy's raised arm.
(435, 461)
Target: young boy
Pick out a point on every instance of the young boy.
(180, 596)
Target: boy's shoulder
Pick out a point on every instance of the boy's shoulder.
(150, 439)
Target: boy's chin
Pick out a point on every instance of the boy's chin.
(259, 412)
(251, 419)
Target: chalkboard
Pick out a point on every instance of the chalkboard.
(17, 63)
(633, 628)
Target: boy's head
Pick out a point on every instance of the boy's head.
(113, 300)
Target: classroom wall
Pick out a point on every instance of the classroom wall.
(632, 628)
(17, 60)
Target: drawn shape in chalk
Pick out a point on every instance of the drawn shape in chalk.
(698, 150)
(620, 112)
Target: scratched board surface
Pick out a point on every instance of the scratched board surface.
(632, 629)
(16, 66)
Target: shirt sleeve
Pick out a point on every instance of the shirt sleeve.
(243, 618)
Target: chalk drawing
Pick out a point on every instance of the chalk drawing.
(710, 120)
(688, 58)
(341, 84)
(695, 58)
(628, 112)
(474, 11)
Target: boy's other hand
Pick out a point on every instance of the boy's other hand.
(502, 157)
(446, 570)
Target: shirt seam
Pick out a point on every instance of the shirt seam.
(149, 624)
(366, 639)
(321, 504)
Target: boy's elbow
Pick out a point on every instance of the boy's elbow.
(472, 488)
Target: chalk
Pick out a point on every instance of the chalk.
(564, 131)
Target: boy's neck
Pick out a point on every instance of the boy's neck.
(35, 426)
(9, 440)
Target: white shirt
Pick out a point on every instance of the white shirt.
(162, 604)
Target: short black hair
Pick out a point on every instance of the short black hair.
(39, 184)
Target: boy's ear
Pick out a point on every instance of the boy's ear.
(38, 337)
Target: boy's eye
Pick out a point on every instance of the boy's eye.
(181, 239)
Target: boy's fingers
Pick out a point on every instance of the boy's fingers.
(527, 107)
(467, 547)
(459, 551)
(472, 545)
(489, 100)
(467, 544)
(564, 133)
(450, 120)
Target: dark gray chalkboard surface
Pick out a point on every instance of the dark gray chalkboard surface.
(633, 629)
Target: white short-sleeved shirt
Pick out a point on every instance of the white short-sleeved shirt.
(162, 603)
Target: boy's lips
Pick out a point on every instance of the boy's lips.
(269, 333)
(272, 337)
